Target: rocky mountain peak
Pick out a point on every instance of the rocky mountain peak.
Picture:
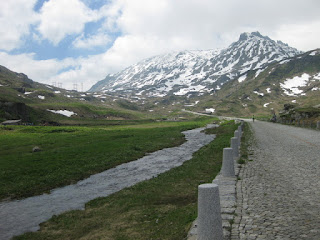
(196, 72)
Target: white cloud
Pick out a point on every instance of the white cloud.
(100, 39)
(37, 70)
(211, 23)
(302, 36)
(147, 27)
(60, 18)
(15, 20)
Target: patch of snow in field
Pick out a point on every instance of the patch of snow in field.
(56, 92)
(294, 101)
(63, 112)
(27, 93)
(210, 110)
(245, 105)
(315, 89)
(242, 78)
(284, 61)
(317, 76)
(291, 86)
(68, 96)
(260, 94)
(266, 104)
(258, 72)
(313, 53)
(41, 97)
(184, 91)
(268, 90)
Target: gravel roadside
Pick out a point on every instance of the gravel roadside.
(278, 194)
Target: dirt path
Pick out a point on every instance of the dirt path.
(17, 217)
(278, 196)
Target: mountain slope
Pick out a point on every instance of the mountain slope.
(195, 71)
(294, 81)
(33, 102)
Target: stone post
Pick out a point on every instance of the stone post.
(303, 123)
(227, 169)
(209, 213)
(237, 135)
(240, 131)
(235, 147)
(318, 125)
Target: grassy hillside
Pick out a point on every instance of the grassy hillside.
(22, 98)
(261, 92)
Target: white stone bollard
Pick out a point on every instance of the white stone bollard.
(209, 213)
(227, 169)
(240, 131)
(237, 135)
(235, 147)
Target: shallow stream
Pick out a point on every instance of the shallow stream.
(20, 216)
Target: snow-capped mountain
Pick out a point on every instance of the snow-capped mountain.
(196, 71)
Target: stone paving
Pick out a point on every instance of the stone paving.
(278, 194)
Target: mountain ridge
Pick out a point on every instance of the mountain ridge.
(180, 73)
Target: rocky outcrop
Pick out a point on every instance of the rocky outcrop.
(292, 113)
(14, 110)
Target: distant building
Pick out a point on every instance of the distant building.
(12, 122)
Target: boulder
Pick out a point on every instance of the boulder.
(36, 149)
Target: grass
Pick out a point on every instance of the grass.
(246, 141)
(161, 208)
(73, 153)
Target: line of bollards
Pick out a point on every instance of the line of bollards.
(209, 210)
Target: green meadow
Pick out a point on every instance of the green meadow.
(161, 208)
(69, 154)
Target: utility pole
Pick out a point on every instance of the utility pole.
(75, 86)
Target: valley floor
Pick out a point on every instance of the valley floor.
(279, 188)
(17, 217)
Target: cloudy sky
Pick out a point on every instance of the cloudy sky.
(81, 41)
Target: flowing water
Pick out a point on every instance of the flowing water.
(20, 216)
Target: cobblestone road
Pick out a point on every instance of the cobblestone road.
(278, 194)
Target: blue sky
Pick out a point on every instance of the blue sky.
(81, 41)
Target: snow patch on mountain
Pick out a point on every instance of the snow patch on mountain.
(291, 86)
(180, 73)
(242, 78)
(63, 112)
